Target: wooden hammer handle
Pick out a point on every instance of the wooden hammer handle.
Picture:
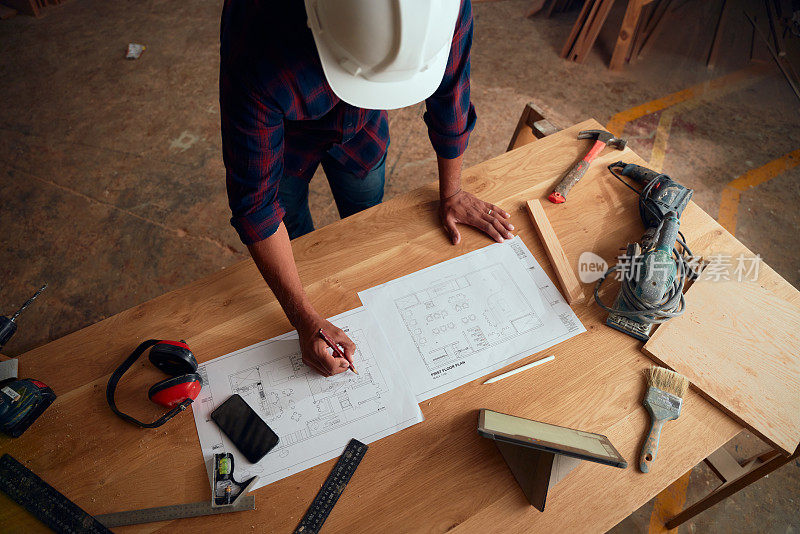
(559, 194)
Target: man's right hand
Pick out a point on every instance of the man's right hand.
(316, 353)
(274, 259)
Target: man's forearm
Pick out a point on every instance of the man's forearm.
(449, 176)
(273, 257)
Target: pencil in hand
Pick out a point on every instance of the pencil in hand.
(335, 348)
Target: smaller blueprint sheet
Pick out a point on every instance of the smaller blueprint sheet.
(469, 316)
(314, 417)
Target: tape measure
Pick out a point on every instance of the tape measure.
(43, 500)
(333, 487)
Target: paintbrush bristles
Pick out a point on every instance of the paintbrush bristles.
(668, 381)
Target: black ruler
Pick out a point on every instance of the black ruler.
(333, 487)
(43, 500)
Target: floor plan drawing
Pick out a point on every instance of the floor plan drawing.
(549, 293)
(313, 416)
(468, 316)
(275, 387)
(547, 290)
(431, 315)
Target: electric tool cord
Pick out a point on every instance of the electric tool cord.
(644, 194)
(673, 303)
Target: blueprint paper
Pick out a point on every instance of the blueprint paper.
(548, 291)
(466, 317)
(315, 417)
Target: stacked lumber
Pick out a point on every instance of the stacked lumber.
(778, 28)
(649, 27)
(30, 7)
(586, 29)
(641, 22)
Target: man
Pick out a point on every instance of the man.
(297, 91)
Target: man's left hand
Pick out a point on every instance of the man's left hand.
(466, 208)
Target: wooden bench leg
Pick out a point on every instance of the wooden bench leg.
(735, 477)
(531, 126)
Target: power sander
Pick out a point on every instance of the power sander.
(653, 271)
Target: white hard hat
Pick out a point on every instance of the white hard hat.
(383, 54)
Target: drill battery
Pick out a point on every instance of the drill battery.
(22, 400)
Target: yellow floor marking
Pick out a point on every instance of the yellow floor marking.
(668, 115)
(659, 151)
(729, 205)
(686, 100)
(617, 123)
(668, 504)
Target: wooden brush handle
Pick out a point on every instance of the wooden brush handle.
(650, 448)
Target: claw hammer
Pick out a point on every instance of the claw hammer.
(602, 138)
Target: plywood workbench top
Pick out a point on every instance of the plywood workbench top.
(436, 476)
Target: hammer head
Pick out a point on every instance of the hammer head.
(604, 136)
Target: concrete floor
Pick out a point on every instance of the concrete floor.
(112, 184)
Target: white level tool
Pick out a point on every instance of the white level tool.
(520, 369)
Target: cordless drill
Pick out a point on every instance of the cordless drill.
(22, 400)
(652, 271)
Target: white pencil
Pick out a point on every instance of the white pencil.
(520, 369)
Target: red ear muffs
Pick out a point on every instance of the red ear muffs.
(173, 391)
(173, 357)
(176, 393)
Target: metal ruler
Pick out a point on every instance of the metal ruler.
(333, 487)
(176, 511)
(43, 500)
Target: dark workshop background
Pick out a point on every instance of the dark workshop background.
(112, 185)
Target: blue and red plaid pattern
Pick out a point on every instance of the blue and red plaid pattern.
(279, 115)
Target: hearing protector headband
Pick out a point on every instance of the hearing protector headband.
(177, 393)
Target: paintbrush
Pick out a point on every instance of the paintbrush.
(664, 398)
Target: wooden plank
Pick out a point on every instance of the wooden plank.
(595, 383)
(589, 34)
(758, 50)
(656, 26)
(625, 37)
(788, 72)
(543, 128)
(724, 465)
(777, 38)
(656, 12)
(588, 5)
(584, 29)
(532, 125)
(713, 52)
(570, 286)
(738, 344)
(641, 29)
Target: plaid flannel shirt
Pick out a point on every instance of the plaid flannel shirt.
(280, 116)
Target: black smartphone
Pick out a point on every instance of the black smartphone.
(243, 426)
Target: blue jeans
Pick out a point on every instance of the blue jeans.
(352, 194)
